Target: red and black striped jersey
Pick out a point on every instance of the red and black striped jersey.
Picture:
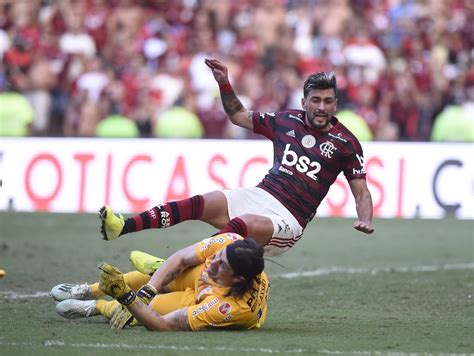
(306, 162)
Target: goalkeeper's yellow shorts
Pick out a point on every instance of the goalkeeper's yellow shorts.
(182, 289)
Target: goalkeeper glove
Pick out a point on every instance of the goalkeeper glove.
(121, 317)
(113, 284)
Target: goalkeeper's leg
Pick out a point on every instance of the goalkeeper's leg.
(107, 307)
(64, 291)
(134, 280)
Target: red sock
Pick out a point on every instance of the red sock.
(236, 225)
(166, 215)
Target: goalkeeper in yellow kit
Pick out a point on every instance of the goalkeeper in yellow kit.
(216, 283)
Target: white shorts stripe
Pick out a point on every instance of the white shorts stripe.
(282, 242)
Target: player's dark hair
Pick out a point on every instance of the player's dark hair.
(246, 259)
(320, 80)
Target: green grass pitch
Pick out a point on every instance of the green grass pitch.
(407, 289)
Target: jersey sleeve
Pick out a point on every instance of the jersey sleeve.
(264, 123)
(218, 312)
(354, 164)
(210, 246)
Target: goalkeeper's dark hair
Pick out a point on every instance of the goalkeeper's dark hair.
(246, 259)
(320, 80)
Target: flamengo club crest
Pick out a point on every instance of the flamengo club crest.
(308, 141)
(327, 149)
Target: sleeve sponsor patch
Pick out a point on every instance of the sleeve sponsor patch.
(205, 307)
(206, 243)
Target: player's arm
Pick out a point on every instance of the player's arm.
(174, 321)
(112, 283)
(363, 200)
(233, 107)
(173, 267)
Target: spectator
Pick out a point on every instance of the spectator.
(453, 124)
(399, 63)
(16, 115)
(178, 122)
(75, 40)
(117, 126)
(356, 124)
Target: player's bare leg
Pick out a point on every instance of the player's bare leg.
(215, 210)
(260, 228)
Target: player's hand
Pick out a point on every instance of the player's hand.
(363, 227)
(219, 70)
(121, 318)
(112, 283)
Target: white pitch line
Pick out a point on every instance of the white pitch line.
(372, 271)
(316, 273)
(193, 349)
(13, 295)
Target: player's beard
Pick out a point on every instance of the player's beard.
(318, 121)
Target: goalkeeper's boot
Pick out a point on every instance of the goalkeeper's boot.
(75, 309)
(111, 224)
(145, 263)
(65, 291)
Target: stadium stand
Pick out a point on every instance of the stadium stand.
(399, 63)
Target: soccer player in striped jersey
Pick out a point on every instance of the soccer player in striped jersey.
(311, 147)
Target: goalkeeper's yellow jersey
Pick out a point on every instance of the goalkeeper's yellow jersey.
(213, 308)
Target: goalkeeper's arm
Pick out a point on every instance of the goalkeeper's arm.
(113, 284)
(149, 318)
(173, 267)
(168, 271)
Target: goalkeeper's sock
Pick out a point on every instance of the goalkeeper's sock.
(107, 307)
(236, 225)
(95, 291)
(165, 215)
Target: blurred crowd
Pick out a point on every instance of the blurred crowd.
(136, 67)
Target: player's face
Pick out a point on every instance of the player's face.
(220, 270)
(320, 105)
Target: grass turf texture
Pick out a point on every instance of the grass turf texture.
(390, 311)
